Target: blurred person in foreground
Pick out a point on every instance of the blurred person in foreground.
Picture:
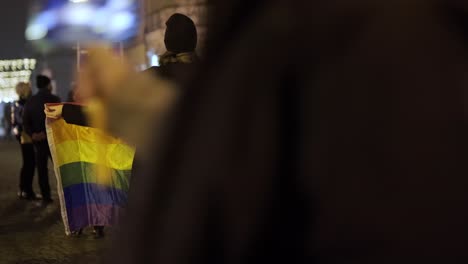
(34, 126)
(27, 149)
(315, 132)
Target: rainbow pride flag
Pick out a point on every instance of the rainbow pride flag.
(79, 154)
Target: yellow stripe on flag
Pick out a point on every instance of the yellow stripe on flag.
(67, 132)
(116, 156)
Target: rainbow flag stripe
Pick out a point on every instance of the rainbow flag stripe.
(88, 199)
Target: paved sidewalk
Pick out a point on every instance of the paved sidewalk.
(33, 235)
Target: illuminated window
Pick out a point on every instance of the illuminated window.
(11, 73)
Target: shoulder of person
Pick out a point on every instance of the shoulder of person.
(32, 98)
(29, 101)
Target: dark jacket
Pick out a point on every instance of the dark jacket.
(178, 73)
(17, 110)
(73, 114)
(33, 116)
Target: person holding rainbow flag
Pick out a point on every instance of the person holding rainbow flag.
(93, 170)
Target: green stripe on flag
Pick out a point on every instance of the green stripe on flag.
(83, 172)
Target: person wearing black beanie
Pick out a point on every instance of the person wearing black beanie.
(181, 34)
(180, 39)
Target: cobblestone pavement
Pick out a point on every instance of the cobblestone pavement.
(30, 234)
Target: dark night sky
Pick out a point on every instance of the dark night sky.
(13, 15)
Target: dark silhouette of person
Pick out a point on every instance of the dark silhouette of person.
(27, 149)
(34, 126)
(179, 62)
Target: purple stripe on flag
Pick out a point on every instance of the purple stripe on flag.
(93, 215)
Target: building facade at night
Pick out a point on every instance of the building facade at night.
(11, 73)
(60, 65)
(145, 51)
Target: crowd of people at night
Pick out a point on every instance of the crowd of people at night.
(307, 132)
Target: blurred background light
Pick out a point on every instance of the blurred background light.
(70, 21)
(119, 4)
(12, 72)
(78, 14)
(36, 32)
(121, 21)
(154, 60)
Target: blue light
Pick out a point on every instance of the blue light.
(36, 32)
(70, 21)
(48, 19)
(119, 4)
(78, 14)
(121, 21)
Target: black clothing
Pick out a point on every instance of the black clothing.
(181, 34)
(178, 73)
(17, 111)
(73, 114)
(27, 150)
(42, 158)
(34, 122)
(27, 169)
(34, 117)
(316, 132)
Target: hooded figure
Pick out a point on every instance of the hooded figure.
(181, 41)
(181, 34)
(315, 132)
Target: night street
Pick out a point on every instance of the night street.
(233, 132)
(33, 235)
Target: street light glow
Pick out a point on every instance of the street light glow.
(12, 72)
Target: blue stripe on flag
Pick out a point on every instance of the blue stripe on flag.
(82, 194)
